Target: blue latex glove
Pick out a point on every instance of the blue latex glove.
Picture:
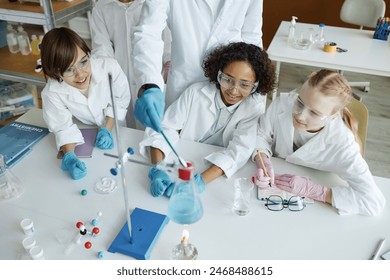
(160, 181)
(104, 139)
(149, 108)
(169, 190)
(74, 166)
(199, 182)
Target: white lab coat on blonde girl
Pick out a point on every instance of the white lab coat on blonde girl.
(333, 149)
(62, 102)
(196, 30)
(194, 113)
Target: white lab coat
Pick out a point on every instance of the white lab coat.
(333, 149)
(194, 34)
(194, 113)
(61, 102)
(111, 25)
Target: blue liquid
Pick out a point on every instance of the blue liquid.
(185, 209)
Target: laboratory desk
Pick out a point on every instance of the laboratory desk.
(53, 201)
(365, 55)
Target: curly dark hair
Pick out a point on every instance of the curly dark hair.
(222, 56)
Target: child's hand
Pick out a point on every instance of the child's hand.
(74, 166)
(301, 186)
(104, 139)
(260, 180)
(200, 184)
(261, 177)
(160, 181)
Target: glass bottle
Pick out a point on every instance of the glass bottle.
(291, 31)
(23, 41)
(10, 186)
(12, 40)
(35, 45)
(321, 36)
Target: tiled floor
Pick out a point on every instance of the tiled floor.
(377, 101)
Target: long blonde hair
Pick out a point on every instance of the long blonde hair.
(332, 83)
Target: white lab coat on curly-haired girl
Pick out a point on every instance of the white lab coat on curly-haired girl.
(194, 113)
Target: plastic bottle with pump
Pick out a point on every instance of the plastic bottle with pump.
(291, 31)
(12, 40)
(24, 41)
(35, 45)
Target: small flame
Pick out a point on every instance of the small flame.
(185, 236)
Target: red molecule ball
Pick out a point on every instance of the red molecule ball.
(95, 230)
(88, 245)
(79, 224)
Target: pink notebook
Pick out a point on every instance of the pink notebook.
(84, 150)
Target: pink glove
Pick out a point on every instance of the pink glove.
(301, 186)
(260, 180)
(260, 174)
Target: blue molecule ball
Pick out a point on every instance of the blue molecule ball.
(100, 254)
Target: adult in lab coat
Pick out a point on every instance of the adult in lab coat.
(78, 86)
(331, 148)
(222, 111)
(196, 27)
(111, 24)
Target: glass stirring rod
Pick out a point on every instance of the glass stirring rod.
(181, 161)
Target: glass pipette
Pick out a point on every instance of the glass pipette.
(181, 161)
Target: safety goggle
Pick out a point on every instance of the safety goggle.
(81, 65)
(227, 82)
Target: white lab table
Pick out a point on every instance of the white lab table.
(365, 54)
(53, 201)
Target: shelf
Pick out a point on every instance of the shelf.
(20, 68)
(49, 15)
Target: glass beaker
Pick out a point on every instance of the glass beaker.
(10, 186)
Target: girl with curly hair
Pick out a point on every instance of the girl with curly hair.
(222, 111)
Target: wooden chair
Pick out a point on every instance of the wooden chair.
(360, 112)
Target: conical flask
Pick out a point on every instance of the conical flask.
(10, 186)
(184, 206)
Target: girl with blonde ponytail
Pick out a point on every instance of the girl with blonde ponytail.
(314, 128)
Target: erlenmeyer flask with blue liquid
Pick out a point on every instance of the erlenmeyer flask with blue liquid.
(185, 208)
